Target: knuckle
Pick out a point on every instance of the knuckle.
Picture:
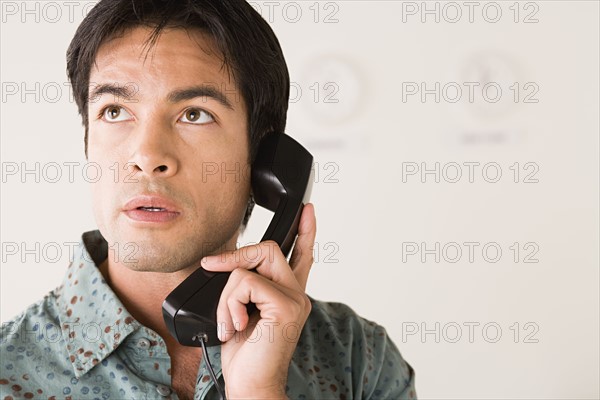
(231, 302)
(300, 304)
(293, 310)
(237, 274)
(269, 243)
(307, 305)
(247, 278)
(271, 249)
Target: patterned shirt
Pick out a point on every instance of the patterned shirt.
(80, 342)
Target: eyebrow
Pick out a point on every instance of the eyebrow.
(127, 92)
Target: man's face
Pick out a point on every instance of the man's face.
(167, 195)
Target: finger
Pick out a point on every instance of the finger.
(230, 317)
(225, 325)
(244, 287)
(266, 257)
(247, 257)
(302, 257)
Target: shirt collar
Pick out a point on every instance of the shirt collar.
(93, 320)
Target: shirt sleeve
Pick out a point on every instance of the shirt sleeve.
(387, 374)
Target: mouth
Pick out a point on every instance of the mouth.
(151, 209)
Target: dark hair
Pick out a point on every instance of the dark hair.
(250, 50)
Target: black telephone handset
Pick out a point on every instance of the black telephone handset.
(282, 183)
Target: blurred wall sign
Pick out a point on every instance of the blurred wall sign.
(335, 89)
(331, 93)
(484, 99)
(491, 85)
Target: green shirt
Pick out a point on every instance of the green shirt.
(79, 342)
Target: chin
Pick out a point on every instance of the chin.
(165, 247)
(156, 255)
(165, 251)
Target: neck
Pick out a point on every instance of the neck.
(142, 293)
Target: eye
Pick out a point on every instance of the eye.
(114, 113)
(196, 116)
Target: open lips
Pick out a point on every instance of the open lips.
(149, 208)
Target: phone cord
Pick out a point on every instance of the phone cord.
(203, 337)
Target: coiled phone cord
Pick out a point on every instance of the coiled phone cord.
(203, 337)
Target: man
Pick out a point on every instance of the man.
(164, 89)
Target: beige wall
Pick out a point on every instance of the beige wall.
(527, 317)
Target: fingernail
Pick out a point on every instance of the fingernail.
(219, 334)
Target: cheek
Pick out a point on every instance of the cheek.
(99, 207)
(103, 190)
(224, 185)
(221, 184)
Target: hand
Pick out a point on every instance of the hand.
(257, 350)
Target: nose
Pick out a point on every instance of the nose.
(152, 152)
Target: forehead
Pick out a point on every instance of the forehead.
(178, 57)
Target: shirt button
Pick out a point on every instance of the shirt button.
(143, 343)
(163, 390)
